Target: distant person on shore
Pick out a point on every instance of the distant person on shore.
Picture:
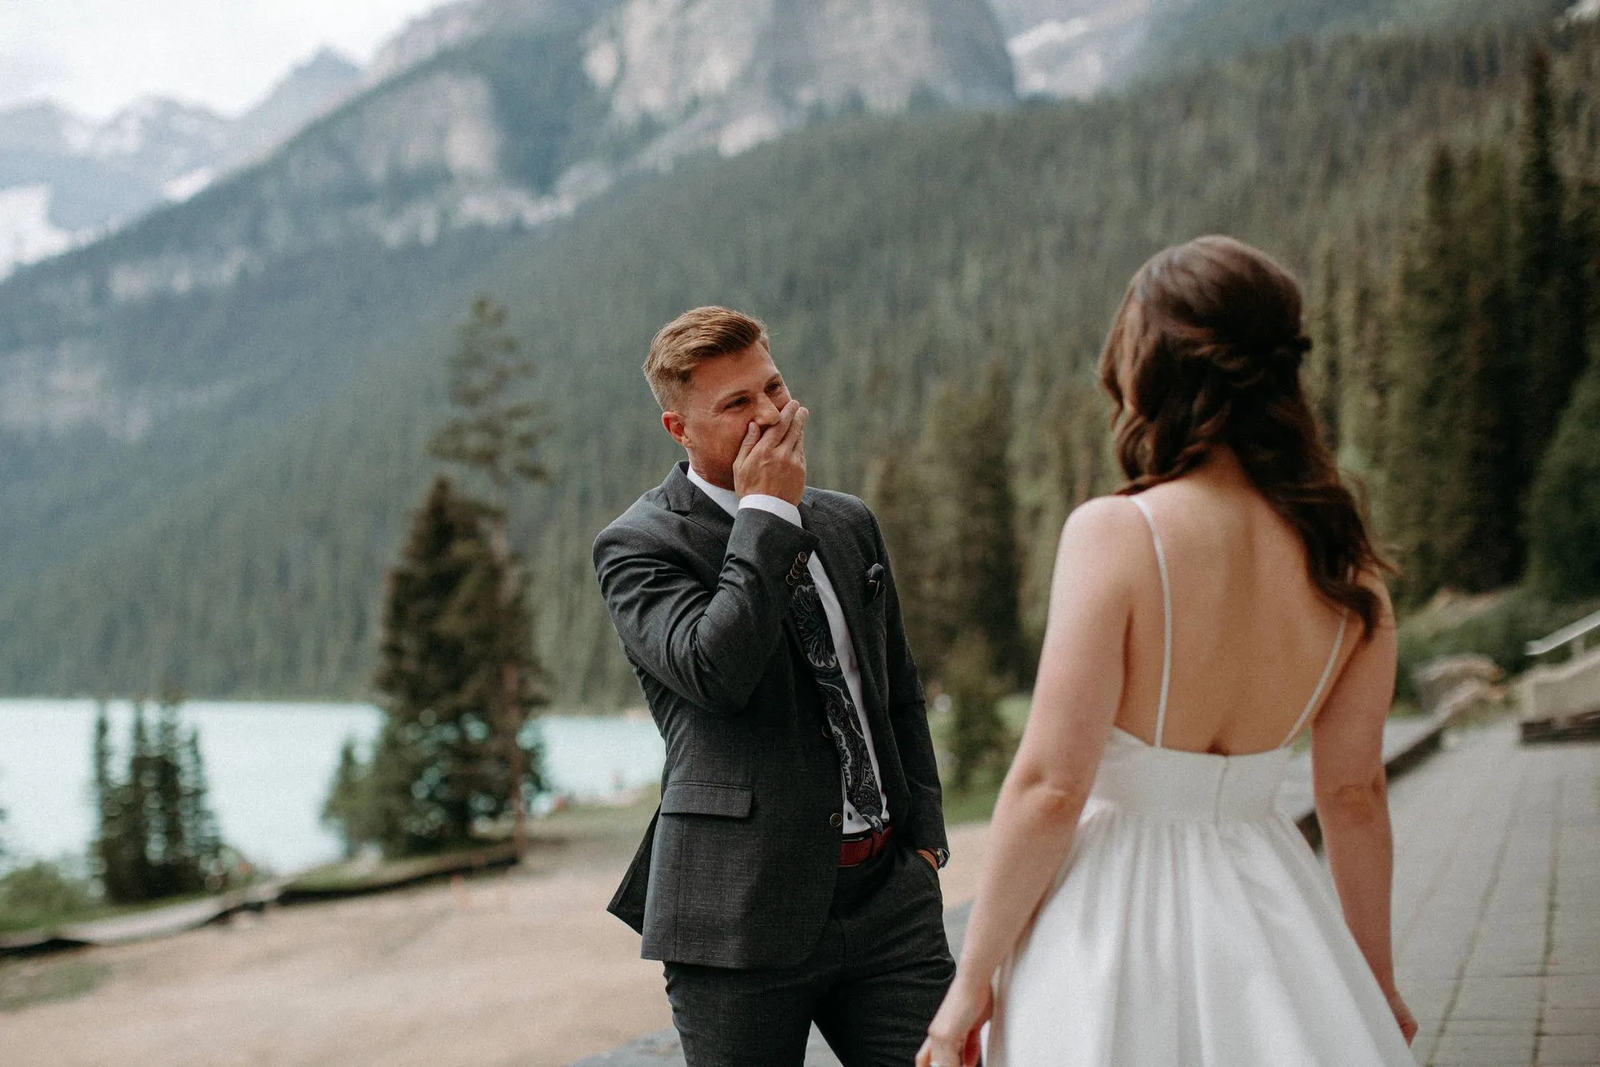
(791, 873)
(1143, 902)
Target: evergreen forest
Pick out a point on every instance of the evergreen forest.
(937, 287)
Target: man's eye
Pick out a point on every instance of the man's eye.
(735, 404)
(774, 387)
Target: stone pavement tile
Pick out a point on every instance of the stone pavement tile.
(1525, 1027)
(1567, 1021)
(1570, 1050)
(1572, 991)
(1426, 996)
(1497, 998)
(1488, 1050)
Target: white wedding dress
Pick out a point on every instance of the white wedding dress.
(1191, 925)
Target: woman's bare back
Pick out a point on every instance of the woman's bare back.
(1251, 636)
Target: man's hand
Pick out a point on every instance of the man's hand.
(772, 461)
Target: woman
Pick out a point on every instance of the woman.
(1143, 901)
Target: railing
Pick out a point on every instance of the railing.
(1567, 634)
(1562, 701)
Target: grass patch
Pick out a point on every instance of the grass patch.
(24, 983)
(11, 922)
(976, 802)
(581, 824)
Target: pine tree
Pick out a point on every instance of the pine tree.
(1427, 337)
(447, 758)
(1324, 370)
(1565, 505)
(350, 807)
(898, 498)
(134, 812)
(1365, 413)
(1489, 551)
(1452, 492)
(156, 835)
(1058, 452)
(112, 861)
(978, 738)
(1550, 284)
(972, 543)
(495, 436)
(201, 834)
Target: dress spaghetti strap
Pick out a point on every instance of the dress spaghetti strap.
(1316, 694)
(1166, 611)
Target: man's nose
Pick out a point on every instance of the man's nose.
(766, 411)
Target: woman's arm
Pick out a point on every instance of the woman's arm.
(1075, 701)
(1352, 799)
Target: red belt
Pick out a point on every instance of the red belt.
(859, 848)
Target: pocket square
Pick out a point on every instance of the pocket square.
(874, 582)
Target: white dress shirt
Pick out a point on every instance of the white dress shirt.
(731, 502)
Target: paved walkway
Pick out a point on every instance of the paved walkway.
(1497, 901)
(1497, 907)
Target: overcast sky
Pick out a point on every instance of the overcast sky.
(95, 56)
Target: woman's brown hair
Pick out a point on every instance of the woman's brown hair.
(1208, 343)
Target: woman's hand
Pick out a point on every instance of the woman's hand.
(953, 1034)
(1403, 1016)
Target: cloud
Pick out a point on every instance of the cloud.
(98, 55)
(28, 75)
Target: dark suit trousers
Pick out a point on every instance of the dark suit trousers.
(871, 984)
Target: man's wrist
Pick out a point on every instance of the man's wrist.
(775, 504)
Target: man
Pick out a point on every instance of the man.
(790, 875)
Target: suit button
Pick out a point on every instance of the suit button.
(836, 820)
(803, 558)
(827, 732)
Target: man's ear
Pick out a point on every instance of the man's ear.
(673, 423)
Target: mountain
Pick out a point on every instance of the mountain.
(1072, 49)
(214, 421)
(456, 23)
(214, 314)
(520, 126)
(65, 180)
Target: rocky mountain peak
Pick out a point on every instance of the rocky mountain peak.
(728, 74)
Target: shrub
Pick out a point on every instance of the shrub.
(40, 892)
(1564, 510)
(1498, 625)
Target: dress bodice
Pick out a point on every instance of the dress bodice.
(1170, 783)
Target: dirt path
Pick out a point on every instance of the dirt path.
(522, 971)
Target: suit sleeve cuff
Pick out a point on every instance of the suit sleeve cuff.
(777, 505)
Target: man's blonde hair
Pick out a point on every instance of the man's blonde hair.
(701, 334)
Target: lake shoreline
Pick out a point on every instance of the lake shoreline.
(268, 770)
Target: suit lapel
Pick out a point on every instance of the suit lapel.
(685, 499)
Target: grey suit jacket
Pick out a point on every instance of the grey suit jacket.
(738, 867)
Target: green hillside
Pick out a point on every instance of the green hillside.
(887, 256)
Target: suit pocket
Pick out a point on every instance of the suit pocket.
(706, 798)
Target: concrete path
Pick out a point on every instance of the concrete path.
(1497, 906)
(1497, 901)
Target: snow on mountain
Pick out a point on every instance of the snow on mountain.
(65, 180)
(26, 232)
(1074, 48)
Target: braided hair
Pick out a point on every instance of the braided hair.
(1205, 351)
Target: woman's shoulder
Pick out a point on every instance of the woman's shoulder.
(1103, 517)
(1104, 530)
